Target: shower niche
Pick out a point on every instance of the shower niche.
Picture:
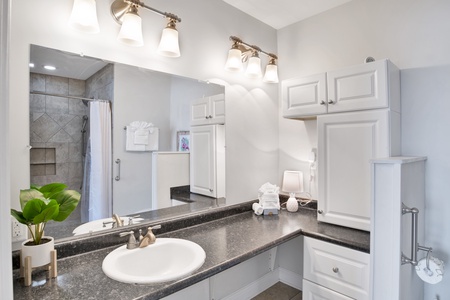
(42, 161)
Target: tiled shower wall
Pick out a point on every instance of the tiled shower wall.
(55, 123)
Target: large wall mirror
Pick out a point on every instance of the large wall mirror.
(69, 111)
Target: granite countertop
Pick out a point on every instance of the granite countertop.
(227, 242)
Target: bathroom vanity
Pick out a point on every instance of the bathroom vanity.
(231, 237)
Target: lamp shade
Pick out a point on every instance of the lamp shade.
(84, 16)
(131, 31)
(271, 75)
(292, 182)
(254, 67)
(234, 61)
(168, 46)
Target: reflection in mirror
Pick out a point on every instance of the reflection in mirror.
(141, 173)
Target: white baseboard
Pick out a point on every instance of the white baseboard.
(288, 277)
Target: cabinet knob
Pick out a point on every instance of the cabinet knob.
(211, 190)
(320, 211)
(335, 269)
(323, 102)
(210, 116)
(207, 117)
(331, 101)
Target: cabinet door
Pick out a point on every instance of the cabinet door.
(346, 144)
(202, 157)
(200, 112)
(312, 291)
(304, 96)
(359, 87)
(217, 109)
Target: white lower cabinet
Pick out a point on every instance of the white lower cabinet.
(312, 291)
(334, 272)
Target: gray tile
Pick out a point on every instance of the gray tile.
(56, 105)
(37, 170)
(37, 82)
(35, 116)
(37, 103)
(57, 85)
(299, 296)
(73, 128)
(37, 155)
(75, 152)
(76, 87)
(77, 107)
(61, 151)
(44, 127)
(34, 138)
(61, 119)
(60, 137)
(75, 171)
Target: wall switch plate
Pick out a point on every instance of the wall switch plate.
(18, 231)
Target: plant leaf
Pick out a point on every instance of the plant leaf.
(52, 189)
(30, 194)
(68, 201)
(19, 217)
(48, 212)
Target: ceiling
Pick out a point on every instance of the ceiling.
(281, 13)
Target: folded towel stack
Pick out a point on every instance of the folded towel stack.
(142, 136)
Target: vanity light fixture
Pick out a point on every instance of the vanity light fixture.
(125, 12)
(242, 52)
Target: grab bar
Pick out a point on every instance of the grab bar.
(415, 247)
(117, 178)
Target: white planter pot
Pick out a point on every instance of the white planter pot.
(40, 254)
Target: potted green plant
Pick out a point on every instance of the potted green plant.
(40, 205)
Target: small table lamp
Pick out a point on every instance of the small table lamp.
(292, 183)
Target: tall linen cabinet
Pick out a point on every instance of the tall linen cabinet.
(358, 119)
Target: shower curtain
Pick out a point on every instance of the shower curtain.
(97, 189)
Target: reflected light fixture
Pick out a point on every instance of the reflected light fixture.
(292, 183)
(242, 52)
(84, 16)
(125, 12)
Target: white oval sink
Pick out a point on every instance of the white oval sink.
(165, 260)
(97, 225)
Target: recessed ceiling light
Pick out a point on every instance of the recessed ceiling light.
(31, 65)
(51, 68)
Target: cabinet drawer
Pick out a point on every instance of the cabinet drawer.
(312, 291)
(338, 268)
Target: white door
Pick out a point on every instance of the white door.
(217, 109)
(358, 88)
(202, 156)
(346, 144)
(306, 96)
(200, 111)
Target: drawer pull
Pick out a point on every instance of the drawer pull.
(320, 211)
(323, 103)
(335, 269)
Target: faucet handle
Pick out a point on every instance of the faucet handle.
(130, 219)
(131, 244)
(149, 237)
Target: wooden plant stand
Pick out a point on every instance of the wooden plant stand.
(26, 269)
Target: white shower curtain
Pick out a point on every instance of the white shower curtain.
(100, 170)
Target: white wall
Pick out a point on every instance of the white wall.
(412, 35)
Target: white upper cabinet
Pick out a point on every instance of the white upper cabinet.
(208, 110)
(360, 87)
(304, 96)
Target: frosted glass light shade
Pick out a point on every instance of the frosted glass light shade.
(131, 31)
(234, 61)
(168, 46)
(84, 16)
(254, 67)
(292, 182)
(271, 75)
